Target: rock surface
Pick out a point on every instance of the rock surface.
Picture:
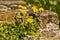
(50, 32)
(50, 23)
(47, 17)
(8, 16)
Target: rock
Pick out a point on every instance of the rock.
(47, 17)
(3, 6)
(8, 16)
(13, 6)
(13, 2)
(50, 32)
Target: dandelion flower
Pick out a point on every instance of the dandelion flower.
(24, 11)
(41, 9)
(34, 9)
(30, 20)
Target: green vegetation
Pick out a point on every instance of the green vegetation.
(24, 25)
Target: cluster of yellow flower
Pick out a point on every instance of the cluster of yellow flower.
(35, 10)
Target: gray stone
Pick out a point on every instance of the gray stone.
(50, 32)
(47, 17)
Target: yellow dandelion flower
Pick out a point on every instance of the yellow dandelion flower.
(30, 20)
(41, 9)
(34, 9)
(20, 6)
(24, 11)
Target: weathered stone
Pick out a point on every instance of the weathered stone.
(12, 2)
(3, 6)
(50, 31)
(13, 6)
(8, 16)
(47, 17)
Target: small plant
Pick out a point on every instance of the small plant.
(25, 24)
